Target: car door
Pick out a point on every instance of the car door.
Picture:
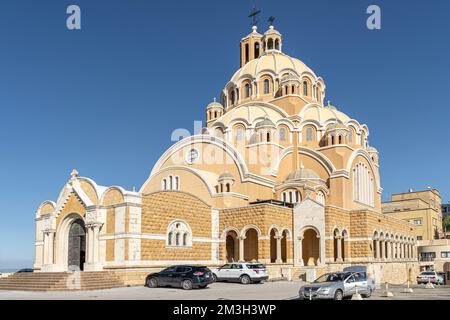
(361, 283)
(224, 272)
(179, 275)
(165, 276)
(236, 271)
(349, 286)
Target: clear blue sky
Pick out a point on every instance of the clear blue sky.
(105, 99)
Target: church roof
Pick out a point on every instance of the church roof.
(302, 174)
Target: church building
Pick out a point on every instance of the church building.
(275, 176)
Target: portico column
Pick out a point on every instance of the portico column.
(382, 250)
(241, 248)
(278, 260)
(95, 243)
(377, 243)
(339, 248)
(389, 252)
(51, 245)
(300, 251)
(90, 244)
(45, 248)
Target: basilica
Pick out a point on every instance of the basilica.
(276, 176)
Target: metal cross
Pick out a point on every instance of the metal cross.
(253, 15)
(271, 20)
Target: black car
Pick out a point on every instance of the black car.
(186, 277)
(26, 270)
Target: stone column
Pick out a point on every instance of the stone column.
(278, 260)
(45, 248)
(51, 245)
(339, 248)
(382, 250)
(300, 251)
(241, 248)
(377, 243)
(389, 251)
(95, 231)
(90, 246)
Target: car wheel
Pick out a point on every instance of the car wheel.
(245, 279)
(338, 295)
(214, 277)
(186, 284)
(152, 283)
(368, 294)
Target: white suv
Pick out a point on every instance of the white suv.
(244, 273)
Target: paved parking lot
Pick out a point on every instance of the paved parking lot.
(281, 290)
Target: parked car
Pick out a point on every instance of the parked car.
(430, 276)
(364, 271)
(244, 273)
(25, 270)
(186, 277)
(338, 285)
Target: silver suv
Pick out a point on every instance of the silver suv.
(244, 273)
(338, 285)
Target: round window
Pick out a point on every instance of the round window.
(192, 156)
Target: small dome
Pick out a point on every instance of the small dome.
(272, 31)
(372, 150)
(265, 123)
(289, 77)
(337, 126)
(226, 176)
(302, 174)
(214, 104)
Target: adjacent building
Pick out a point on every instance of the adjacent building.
(420, 208)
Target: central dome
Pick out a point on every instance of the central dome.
(275, 63)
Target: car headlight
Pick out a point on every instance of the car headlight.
(324, 290)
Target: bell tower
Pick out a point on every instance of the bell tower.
(251, 45)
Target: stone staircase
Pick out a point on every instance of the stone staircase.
(60, 281)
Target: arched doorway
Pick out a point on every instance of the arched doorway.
(284, 246)
(232, 247)
(77, 245)
(251, 245)
(273, 246)
(310, 247)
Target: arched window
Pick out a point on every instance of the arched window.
(164, 184)
(239, 134)
(309, 134)
(340, 139)
(293, 90)
(228, 188)
(179, 234)
(305, 88)
(277, 44)
(177, 183)
(268, 137)
(232, 97)
(247, 90)
(270, 44)
(266, 86)
(291, 196)
(350, 136)
(185, 236)
(215, 114)
(170, 182)
(256, 50)
(283, 134)
(363, 185)
(246, 52)
(320, 197)
(169, 238)
(177, 239)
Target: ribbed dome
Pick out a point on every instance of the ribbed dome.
(337, 126)
(302, 174)
(272, 31)
(214, 104)
(274, 62)
(226, 175)
(265, 123)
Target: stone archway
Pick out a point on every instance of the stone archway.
(251, 245)
(232, 246)
(76, 245)
(311, 247)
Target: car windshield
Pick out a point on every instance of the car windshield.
(332, 277)
(427, 273)
(255, 266)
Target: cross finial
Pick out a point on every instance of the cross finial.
(74, 174)
(271, 20)
(214, 99)
(254, 15)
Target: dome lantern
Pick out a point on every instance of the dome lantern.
(214, 110)
(272, 40)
